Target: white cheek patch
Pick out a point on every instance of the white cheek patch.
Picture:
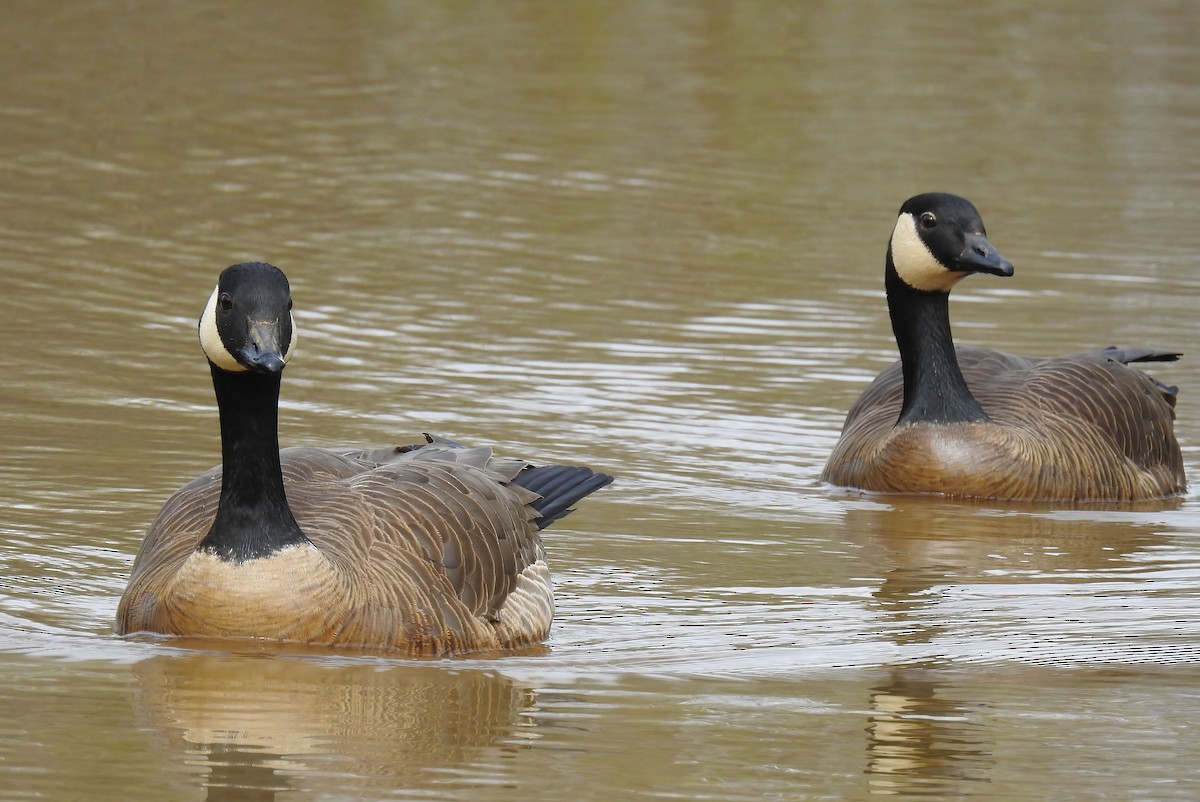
(915, 263)
(291, 349)
(210, 338)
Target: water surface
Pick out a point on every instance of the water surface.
(648, 237)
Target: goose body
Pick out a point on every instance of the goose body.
(425, 549)
(977, 423)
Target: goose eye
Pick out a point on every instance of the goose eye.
(289, 304)
(928, 220)
(225, 302)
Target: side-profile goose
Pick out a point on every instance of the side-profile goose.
(426, 549)
(972, 422)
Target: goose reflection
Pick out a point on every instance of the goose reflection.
(922, 742)
(261, 725)
(928, 734)
(924, 545)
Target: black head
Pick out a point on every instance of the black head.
(247, 325)
(939, 239)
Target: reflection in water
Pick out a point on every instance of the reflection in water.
(919, 742)
(929, 549)
(266, 724)
(242, 775)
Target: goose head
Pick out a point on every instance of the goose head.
(939, 240)
(247, 325)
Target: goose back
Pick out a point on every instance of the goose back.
(1085, 426)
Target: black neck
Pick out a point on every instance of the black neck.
(934, 388)
(253, 518)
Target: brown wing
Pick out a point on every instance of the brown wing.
(464, 518)
(1133, 412)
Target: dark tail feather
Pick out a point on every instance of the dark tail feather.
(1128, 355)
(559, 486)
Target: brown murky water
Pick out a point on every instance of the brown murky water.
(648, 236)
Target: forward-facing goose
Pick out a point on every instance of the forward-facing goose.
(425, 549)
(972, 422)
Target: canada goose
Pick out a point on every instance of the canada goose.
(426, 549)
(976, 423)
